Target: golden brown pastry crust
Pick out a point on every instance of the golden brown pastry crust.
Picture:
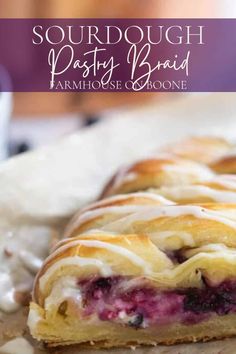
(216, 152)
(110, 209)
(173, 225)
(225, 164)
(182, 224)
(220, 189)
(165, 170)
(204, 149)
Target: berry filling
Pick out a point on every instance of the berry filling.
(176, 256)
(134, 302)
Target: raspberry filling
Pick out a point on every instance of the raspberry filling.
(134, 302)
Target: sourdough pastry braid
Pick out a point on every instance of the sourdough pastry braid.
(137, 268)
(164, 170)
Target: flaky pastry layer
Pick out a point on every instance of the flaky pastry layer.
(112, 208)
(169, 227)
(220, 189)
(216, 152)
(204, 149)
(164, 170)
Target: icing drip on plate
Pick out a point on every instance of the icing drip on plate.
(19, 262)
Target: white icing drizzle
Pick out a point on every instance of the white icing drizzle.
(104, 269)
(30, 261)
(88, 215)
(156, 212)
(119, 197)
(123, 209)
(64, 288)
(196, 191)
(226, 181)
(126, 173)
(105, 245)
(17, 346)
(213, 247)
(174, 165)
(100, 208)
(135, 259)
(7, 291)
(119, 210)
(198, 170)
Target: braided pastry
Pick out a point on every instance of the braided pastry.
(137, 268)
(203, 149)
(117, 290)
(220, 189)
(111, 209)
(164, 170)
(169, 227)
(218, 153)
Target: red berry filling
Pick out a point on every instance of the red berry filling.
(137, 304)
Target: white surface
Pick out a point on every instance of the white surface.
(43, 130)
(17, 346)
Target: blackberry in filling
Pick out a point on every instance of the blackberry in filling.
(135, 303)
(221, 299)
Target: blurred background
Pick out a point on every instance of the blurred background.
(29, 120)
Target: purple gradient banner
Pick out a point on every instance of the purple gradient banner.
(88, 55)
